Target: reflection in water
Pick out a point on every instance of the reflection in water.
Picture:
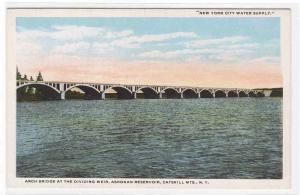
(189, 138)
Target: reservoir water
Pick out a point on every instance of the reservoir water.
(222, 138)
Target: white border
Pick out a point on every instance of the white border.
(295, 116)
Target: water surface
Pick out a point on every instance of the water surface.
(189, 138)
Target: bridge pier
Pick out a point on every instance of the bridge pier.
(133, 95)
(181, 95)
(160, 95)
(62, 95)
(267, 93)
(199, 96)
(102, 96)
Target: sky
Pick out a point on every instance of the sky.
(190, 51)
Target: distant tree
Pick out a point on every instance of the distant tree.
(31, 78)
(25, 77)
(19, 76)
(39, 77)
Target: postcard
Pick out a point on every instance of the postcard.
(141, 97)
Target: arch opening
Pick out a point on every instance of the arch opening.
(220, 94)
(189, 93)
(276, 93)
(147, 93)
(118, 92)
(252, 94)
(206, 94)
(260, 94)
(242, 94)
(170, 93)
(82, 92)
(232, 94)
(37, 92)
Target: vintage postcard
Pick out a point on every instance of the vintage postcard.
(149, 97)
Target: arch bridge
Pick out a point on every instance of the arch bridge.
(58, 90)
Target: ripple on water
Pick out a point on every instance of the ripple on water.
(192, 138)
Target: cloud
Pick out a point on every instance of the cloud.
(71, 47)
(177, 53)
(75, 39)
(240, 46)
(107, 39)
(161, 37)
(28, 48)
(209, 54)
(71, 33)
(75, 32)
(136, 41)
(30, 35)
(67, 39)
(233, 49)
(113, 35)
(265, 60)
(216, 41)
(101, 48)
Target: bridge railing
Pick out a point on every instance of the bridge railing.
(138, 85)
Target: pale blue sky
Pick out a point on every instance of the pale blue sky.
(258, 28)
(261, 31)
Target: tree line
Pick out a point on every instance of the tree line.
(29, 93)
(24, 78)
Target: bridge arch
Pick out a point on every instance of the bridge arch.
(37, 85)
(232, 94)
(43, 91)
(220, 94)
(189, 93)
(252, 94)
(260, 94)
(148, 93)
(170, 93)
(206, 94)
(242, 94)
(90, 92)
(122, 92)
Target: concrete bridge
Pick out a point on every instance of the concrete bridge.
(58, 90)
